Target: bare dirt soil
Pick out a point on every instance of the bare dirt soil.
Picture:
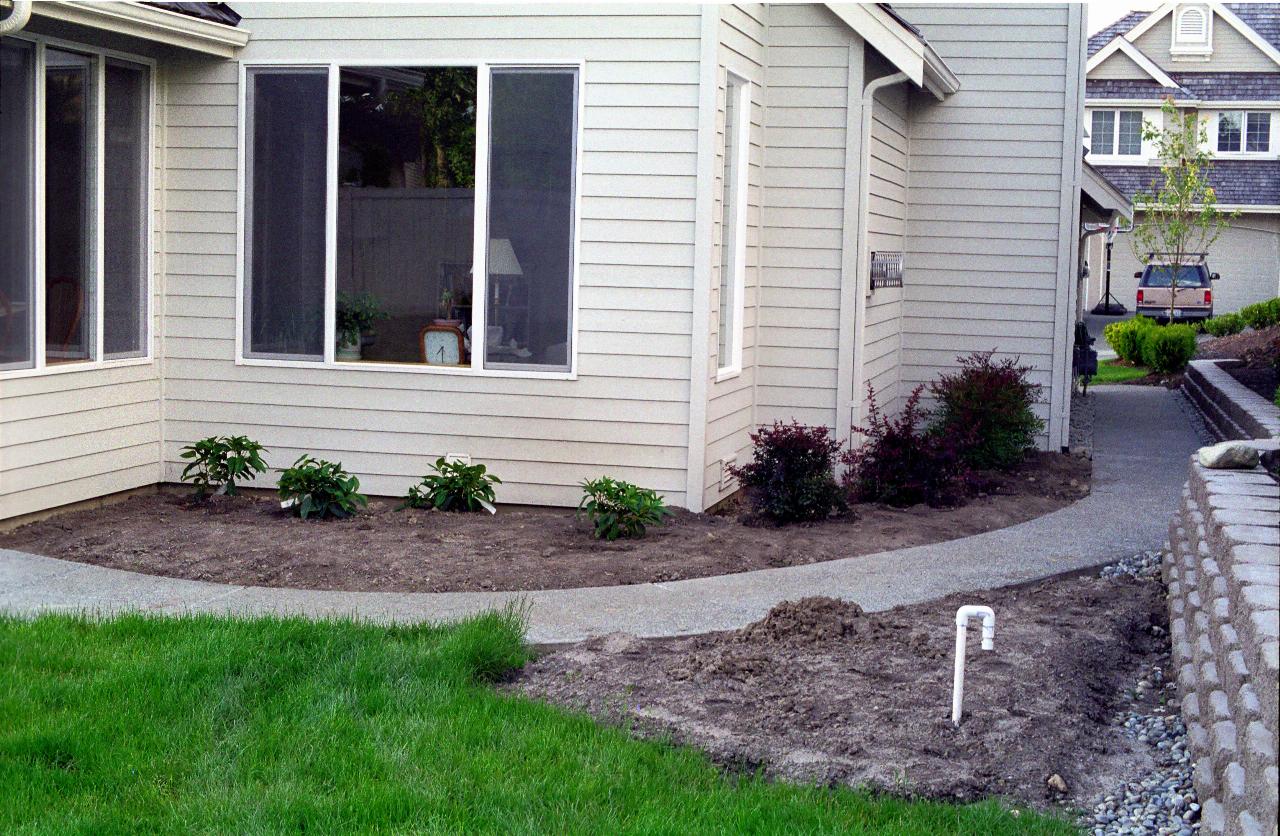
(819, 691)
(249, 540)
(1259, 351)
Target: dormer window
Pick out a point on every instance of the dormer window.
(1192, 30)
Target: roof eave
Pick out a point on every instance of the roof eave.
(148, 23)
(1104, 193)
(903, 48)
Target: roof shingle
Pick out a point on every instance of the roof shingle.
(1104, 36)
(1235, 182)
(1224, 87)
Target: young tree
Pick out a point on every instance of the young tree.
(1180, 219)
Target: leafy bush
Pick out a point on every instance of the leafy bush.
(791, 475)
(986, 409)
(1125, 338)
(1168, 349)
(1261, 314)
(1224, 325)
(1275, 399)
(317, 488)
(620, 509)
(454, 486)
(220, 461)
(901, 462)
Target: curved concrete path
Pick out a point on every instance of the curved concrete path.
(1142, 438)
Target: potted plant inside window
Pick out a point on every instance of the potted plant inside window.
(356, 313)
(445, 309)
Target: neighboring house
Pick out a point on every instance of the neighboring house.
(665, 215)
(1222, 60)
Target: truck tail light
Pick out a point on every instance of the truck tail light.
(1208, 297)
(1139, 297)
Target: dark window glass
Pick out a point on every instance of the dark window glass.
(1130, 138)
(1228, 131)
(1258, 132)
(68, 199)
(124, 241)
(1102, 137)
(17, 219)
(285, 207)
(532, 129)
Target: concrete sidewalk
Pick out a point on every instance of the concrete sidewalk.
(1141, 443)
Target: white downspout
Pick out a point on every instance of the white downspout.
(988, 643)
(853, 412)
(17, 18)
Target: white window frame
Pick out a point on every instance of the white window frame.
(740, 134)
(40, 366)
(480, 267)
(1115, 155)
(1272, 152)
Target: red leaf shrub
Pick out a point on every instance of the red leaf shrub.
(790, 477)
(902, 462)
(986, 408)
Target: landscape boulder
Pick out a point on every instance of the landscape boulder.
(1229, 455)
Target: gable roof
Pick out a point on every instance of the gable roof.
(1263, 18)
(1258, 22)
(901, 43)
(1104, 36)
(1121, 45)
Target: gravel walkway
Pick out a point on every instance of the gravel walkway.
(1141, 443)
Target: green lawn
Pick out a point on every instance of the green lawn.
(1114, 371)
(220, 725)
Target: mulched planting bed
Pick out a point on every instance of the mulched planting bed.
(249, 540)
(819, 691)
(1259, 352)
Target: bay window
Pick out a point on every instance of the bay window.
(74, 195)
(411, 217)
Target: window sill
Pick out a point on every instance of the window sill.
(70, 368)
(405, 368)
(1118, 159)
(728, 374)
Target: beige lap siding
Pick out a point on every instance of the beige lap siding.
(730, 402)
(73, 436)
(986, 197)
(627, 413)
(886, 229)
(803, 214)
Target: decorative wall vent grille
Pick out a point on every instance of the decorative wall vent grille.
(886, 270)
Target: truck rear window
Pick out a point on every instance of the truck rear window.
(1163, 277)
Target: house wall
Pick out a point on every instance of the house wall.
(806, 116)
(627, 413)
(742, 33)
(1246, 256)
(71, 436)
(1232, 52)
(1119, 65)
(993, 191)
(886, 230)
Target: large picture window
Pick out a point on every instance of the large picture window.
(362, 233)
(73, 252)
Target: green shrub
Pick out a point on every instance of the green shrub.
(1224, 325)
(317, 488)
(620, 509)
(791, 477)
(1125, 338)
(1261, 314)
(454, 486)
(219, 461)
(987, 408)
(1168, 349)
(1276, 397)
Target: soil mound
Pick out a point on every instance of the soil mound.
(808, 620)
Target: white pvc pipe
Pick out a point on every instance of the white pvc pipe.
(17, 18)
(963, 615)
